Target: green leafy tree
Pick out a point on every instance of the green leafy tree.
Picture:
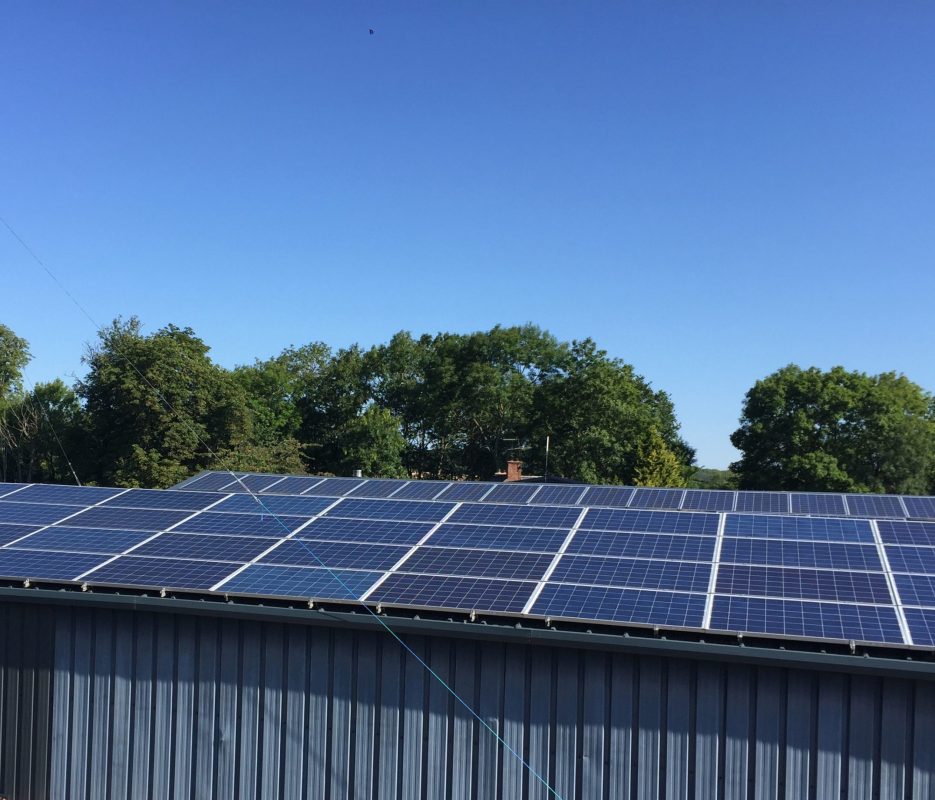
(836, 431)
(373, 443)
(14, 356)
(656, 464)
(157, 407)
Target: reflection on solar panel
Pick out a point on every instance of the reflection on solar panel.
(793, 618)
(558, 551)
(621, 605)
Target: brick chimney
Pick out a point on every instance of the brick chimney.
(514, 470)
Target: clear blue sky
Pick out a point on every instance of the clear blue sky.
(709, 190)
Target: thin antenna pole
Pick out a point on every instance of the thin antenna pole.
(546, 476)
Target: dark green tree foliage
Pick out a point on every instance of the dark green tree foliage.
(137, 437)
(836, 431)
(14, 356)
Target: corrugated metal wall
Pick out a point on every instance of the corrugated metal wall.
(178, 706)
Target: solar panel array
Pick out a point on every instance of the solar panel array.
(653, 557)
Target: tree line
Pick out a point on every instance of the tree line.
(153, 409)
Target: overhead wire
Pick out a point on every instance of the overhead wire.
(258, 500)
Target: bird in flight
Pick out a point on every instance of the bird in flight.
(371, 31)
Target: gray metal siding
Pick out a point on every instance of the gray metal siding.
(144, 704)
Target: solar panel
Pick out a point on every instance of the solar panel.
(461, 492)
(477, 563)
(163, 499)
(203, 547)
(657, 498)
(333, 487)
(10, 533)
(159, 573)
(865, 623)
(911, 559)
(7, 488)
(829, 504)
(528, 516)
(83, 540)
(511, 493)
(335, 555)
(869, 505)
(621, 605)
(65, 495)
(914, 590)
(632, 573)
(815, 529)
(241, 524)
(127, 518)
(412, 510)
(763, 502)
(695, 523)
(33, 513)
(428, 591)
(921, 622)
(902, 532)
(274, 504)
(670, 546)
(420, 490)
(211, 481)
(269, 580)
(807, 584)
(252, 483)
(378, 488)
(614, 496)
(700, 500)
(39, 564)
(499, 537)
(797, 553)
(920, 507)
(354, 530)
(294, 484)
(557, 495)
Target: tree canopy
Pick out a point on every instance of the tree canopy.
(836, 430)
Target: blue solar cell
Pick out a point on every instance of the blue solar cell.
(210, 482)
(921, 623)
(7, 488)
(294, 484)
(334, 487)
(65, 495)
(350, 555)
(657, 498)
(466, 594)
(920, 507)
(558, 495)
(640, 607)
(39, 564)
(33, 513)
(365, 530)
(918, 533)
(10, 533)
(275, 505)
(306, 582)
(817, 529)
(529, 516)
(499, 537)
(127, 519)
(242, 524)
(420, 490)
(763, 502)
(796, 618)
(632, 573)
(511, 493)
(671, 546)
(613, 496)
(694, 523)
(911, 559)
(83, 540)
(477, 563)
(412, 510)
(800, 553)
(167, 499)
(874, 505)
(463, 491)
(160, 573)
(201, 547)
(378, 488)
(914, 590)
(828, 504)
(807, 584)
(699, 500)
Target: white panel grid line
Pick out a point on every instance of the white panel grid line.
(409, 554)
(63, 519)
(715, 562)
(275, 544)
(398, 489)
(445, 488)
(682, 499)
(358, 487)
(10, 494)
(319, 482)
(891, 582)
(558, 557)
(267, 488)
(847, 508)
(903, 506)
(156, 535)
(236, 482)
(484, 495)
(538, 489)
(581, 496)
